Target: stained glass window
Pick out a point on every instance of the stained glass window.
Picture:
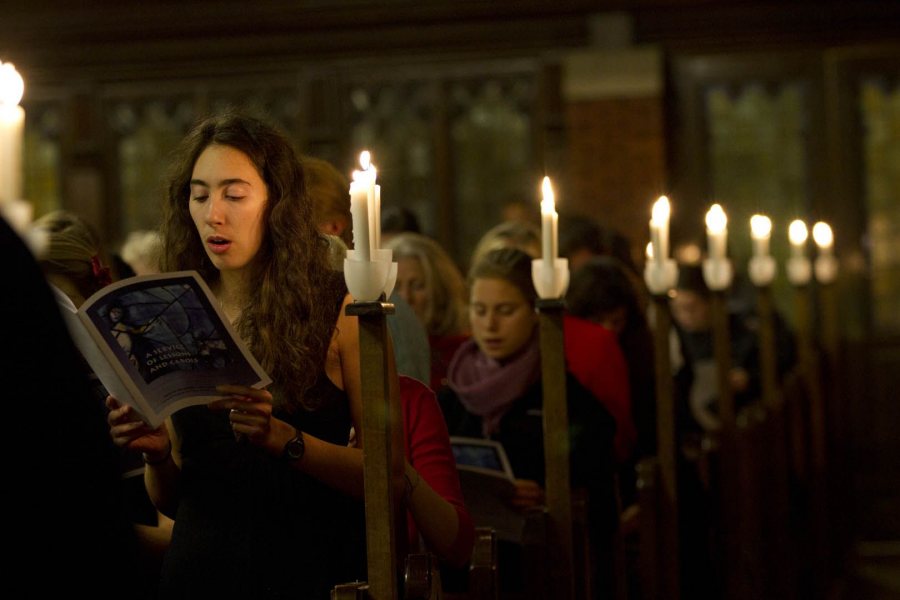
(148, 132)
(757, 136)
(41, 160)
(879, 100)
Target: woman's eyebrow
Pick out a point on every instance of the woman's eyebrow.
(222, 183)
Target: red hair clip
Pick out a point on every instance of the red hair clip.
(101, 273)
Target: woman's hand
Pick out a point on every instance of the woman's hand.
(250, 414)
(526, 493)
(128, 431)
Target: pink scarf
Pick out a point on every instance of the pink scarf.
(488, 388)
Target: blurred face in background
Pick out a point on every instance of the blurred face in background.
(614, 320)
(412, 286)
(501, 318)
(691, 311)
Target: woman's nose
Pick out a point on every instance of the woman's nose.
(214, 206)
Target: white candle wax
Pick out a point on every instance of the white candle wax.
(716, 232)
(359, 212)
(659, 228)
(824, 238)
(12, 129)
(655, 242)
(798, 234)
(760, 232)
(549, 224)
(376, 220)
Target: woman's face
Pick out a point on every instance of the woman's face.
(411, 285)
(691, 311)
(228, 199)
(501, 317)
(615, 320)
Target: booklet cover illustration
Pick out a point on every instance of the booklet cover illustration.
(164, 342)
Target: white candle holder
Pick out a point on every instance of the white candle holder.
(550, 281)
(826, 268)
(661, 276)
(761, 270)
(717, 273)
(799, 270)
(368, 279)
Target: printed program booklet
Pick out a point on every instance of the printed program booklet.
(486, 479)
(160, 343)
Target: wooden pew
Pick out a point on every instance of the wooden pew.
(484, 582)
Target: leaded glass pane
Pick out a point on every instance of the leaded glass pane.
(394, 121)
(880, 110)
(41, 158)
(148, 133)
(757, 156)
(492, 153)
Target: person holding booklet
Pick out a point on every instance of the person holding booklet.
(495, 391)
(254, 481)
(262, 484)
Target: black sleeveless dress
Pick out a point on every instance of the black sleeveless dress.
(248, 525)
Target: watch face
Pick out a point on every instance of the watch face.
(293, 450)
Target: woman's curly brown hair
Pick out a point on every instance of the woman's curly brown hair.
(289, 319)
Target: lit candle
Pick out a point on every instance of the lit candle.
(716, 232)
(824, 238)
(549, 223)
(659, 228)
(12, 128)
(760, 231)
(359, 209)
(797, 233)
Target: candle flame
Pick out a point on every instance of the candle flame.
(797, 232)
(823, 235)
(716, 219)
(548, 203)
(365, 160)
(661, 211)
(12, 86)
(760, 227)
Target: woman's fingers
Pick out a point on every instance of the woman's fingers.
(250, 393)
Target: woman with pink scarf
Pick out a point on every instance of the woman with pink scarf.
(495, 392)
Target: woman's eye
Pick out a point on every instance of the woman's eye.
(199, 198)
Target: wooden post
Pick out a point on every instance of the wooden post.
(773, 468)
(379, 463)
(818, 490)
(768, 364)
(667, 557)
(556, 449)
(809, 363)
(729, 494)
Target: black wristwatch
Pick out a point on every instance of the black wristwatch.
(294, 448)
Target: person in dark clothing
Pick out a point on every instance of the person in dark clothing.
(601, 291)
(264, 487)
(68, 520)
(495, 392)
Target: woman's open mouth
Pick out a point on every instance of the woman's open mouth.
(217, 244)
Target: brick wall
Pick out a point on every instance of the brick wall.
(616, 162)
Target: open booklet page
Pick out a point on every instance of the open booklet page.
(486, 479)
(165, 343)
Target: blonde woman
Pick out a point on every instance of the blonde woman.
(432, 285)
